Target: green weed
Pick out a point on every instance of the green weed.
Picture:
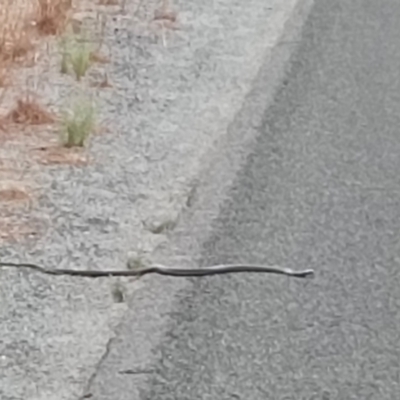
(78, 123)
(76, 54)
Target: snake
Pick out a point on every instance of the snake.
(165, 270)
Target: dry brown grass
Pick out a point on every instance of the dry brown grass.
(165, 12)
(52, 16)
(4, 75)
(99, 58)
(26, 53)
(28, 111)
(14, 46)
(20, 20)
(20, 23)
(12, 194)
(56, 155)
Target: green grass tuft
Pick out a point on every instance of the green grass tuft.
(78, 123)
(75, 55)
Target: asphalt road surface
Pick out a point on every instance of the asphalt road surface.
(320, 190)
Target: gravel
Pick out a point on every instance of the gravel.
(174, 95)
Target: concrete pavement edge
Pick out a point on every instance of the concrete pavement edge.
(125, 367)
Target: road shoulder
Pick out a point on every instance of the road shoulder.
(132, 350)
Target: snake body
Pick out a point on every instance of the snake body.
(169, 271)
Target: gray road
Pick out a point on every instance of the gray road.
(320, 190)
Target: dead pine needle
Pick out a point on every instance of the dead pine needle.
(52, 16)
(28, 111)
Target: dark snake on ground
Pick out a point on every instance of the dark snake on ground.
(168, 271)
